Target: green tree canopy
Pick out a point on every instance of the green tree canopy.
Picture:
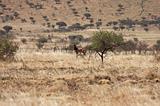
(104, 41)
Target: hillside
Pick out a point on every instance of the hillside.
(48, 12)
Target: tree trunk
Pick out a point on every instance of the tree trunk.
(102, 58)
(140, 52)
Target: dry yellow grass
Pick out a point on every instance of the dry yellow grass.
(61, 79)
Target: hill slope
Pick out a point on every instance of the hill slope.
(42, 12)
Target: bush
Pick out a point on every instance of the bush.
(76, 26)
(87, 15)
(41, 41)
(157, 46)
(129, 45)
(88, 26)
(7, 49)
(39, 45)
(158, 42)
(24, 41)
(61, 24)
(7, 28)
(146, 29)
(98, 24)
(142, 46)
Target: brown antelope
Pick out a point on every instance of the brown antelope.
(79, 50)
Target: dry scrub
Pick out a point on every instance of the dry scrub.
(61, 79)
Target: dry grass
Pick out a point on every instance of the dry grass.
(61, 79)
(157, 58)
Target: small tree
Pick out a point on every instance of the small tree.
(7, 49)
(24, 41)
(41, 41)
(7, 28)
(104, 41)
(87, 15)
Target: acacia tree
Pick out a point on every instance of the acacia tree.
(104, 41)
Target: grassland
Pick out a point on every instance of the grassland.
(61, 79)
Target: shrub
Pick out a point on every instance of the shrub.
(158, 42)
(61, 24)
(120, 5)
(24, 41)
(41, 41)
(39, 45)
(115, 28)
(88, 26)
(87, 15)
(142, 46)
(7, 28)
(62, 29)
(76, 26)
(7, 49)
(146, 29)
(129, 45)
(98, 24)
(157, 46)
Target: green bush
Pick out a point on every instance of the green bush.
(7, 49)
(42, 40)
